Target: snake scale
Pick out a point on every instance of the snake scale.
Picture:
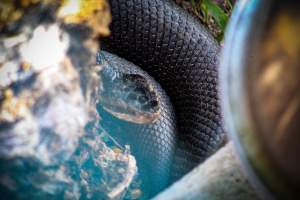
(170, 45)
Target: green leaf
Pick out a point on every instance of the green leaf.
(194, 6)
(216, 12)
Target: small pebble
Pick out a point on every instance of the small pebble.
(136, 194)
(117, 150)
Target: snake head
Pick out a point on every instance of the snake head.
(125, 95)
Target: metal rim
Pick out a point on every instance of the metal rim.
(237, 119)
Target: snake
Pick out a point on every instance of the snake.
(171, 62)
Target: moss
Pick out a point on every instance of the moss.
(214, 14)
(94, 13)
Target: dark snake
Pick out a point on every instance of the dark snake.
(182, 56)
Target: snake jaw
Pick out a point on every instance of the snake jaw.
(137, 117)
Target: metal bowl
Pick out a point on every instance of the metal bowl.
(260, 86)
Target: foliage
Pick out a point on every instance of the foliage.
(213, 14)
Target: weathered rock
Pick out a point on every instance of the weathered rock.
(219, 177)
(50, 144)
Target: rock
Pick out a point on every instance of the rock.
(220, 177)
(50, 142)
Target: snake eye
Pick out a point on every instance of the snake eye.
(128, 96)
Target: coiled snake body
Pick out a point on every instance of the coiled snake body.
(179, 53)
